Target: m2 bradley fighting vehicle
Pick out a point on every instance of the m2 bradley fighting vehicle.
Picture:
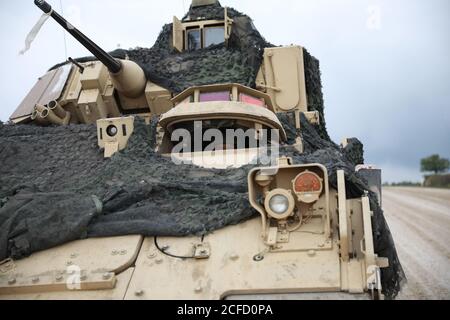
(217, 179)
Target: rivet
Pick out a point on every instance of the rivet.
(35, 279)
(203, 252)
(73, 256)
(114, 253)
(165, 248)
(83, 277)
(258, 258)
(106, 276)
(198, 289)
(139, 293)
(159, 260)
(69, 263)
(59, 277)
(321, 245)
(151, 255)
(123, 252)
(311, 253)
(12, 281)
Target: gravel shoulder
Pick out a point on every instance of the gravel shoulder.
(419, 219)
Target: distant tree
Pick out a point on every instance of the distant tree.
(435, 164)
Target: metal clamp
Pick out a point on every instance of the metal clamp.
(202, 250)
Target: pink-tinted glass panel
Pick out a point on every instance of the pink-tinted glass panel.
(252, 100)
(215, 96)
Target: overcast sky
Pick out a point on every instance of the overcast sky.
(385, 63)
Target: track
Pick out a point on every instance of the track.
(419, 219)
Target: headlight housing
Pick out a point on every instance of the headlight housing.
(279, 204)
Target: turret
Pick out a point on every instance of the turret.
(127, 77)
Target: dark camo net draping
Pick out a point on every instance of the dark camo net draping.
(56, 187)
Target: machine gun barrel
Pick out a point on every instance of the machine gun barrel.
(114, 66)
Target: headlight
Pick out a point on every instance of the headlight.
(279, 204)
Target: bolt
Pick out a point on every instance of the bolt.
(258, 258)
(106, 276)
(114, 253)
(203, 252)
(159, 260)
(311, 253)
(12, 281)
(139, 293)
(151, 255)
(83, 277)
(321, 245)
(73, 256)
(69, 263)
(35, 280)
(59, 277)
(123, 252)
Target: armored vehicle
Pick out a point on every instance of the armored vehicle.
(198, 169)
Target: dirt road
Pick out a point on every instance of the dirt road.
(419, 219)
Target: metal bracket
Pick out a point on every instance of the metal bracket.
(57, 282)
(202, 250)
(111, 148)
(284, 161)
(272, 236)
(313, 117)
(283, 236)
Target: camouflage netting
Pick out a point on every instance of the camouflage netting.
(55, 185)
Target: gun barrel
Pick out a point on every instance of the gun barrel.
(113, 65)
